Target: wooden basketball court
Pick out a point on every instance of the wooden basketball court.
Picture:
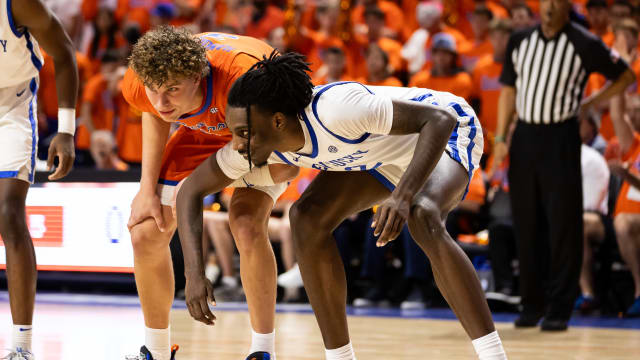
(98, 328)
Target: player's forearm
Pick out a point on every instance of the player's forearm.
(154, 138)
(66, 79)
(506, 109)
(206, 179)
(429, 148)
(189, 210)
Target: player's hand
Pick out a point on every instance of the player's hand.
(61, 147)
(198, 292)
(146, 205)
(390, 218)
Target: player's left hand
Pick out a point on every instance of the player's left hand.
(61, 147)
(198, 293)
(390, 218)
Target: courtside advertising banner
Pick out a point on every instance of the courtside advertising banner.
(80, 226)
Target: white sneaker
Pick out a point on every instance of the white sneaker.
(19, 354)
(291, 278)
(212, 272)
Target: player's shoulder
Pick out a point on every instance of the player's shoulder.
(223, 49)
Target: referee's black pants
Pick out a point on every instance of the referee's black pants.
(545, 182)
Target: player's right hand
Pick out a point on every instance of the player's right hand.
(198, 292)
(146, 205)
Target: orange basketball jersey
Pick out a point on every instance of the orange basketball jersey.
(229, 57)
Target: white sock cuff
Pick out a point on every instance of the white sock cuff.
(157, 337)
(342, 353)
(263, 342)
(489, 347)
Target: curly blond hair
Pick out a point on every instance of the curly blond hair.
(167, 53)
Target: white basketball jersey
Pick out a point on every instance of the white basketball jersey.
(347, 125)
(20, 57)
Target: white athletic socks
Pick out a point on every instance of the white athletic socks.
(341, 353)
(489, 347)
(21, 337)
(157, 342)
(263, 342)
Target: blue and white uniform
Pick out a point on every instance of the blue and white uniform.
(347, 127)
(20, 62)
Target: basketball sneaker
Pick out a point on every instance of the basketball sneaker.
(19, 354)
(259, 355)
(145, 354)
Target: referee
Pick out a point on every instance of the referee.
(544, 75)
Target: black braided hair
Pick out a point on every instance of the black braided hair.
(279, 83)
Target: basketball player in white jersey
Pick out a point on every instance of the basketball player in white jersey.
(413, 150)
(25, 25)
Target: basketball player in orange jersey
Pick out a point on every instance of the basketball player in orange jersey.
(25, 25)
(176, 77)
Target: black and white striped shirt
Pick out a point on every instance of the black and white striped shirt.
(550, 74)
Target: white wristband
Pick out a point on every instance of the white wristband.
(67, 121)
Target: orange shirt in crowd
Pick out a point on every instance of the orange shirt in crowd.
(629, 197)
(475, 52)
(312, 44)
(596, 82)
(390, 81)
(464, 12)
(394, 18)
(129, 133)
(486, 87)
(135, 11)
(459, 84)
(118, 43)
(273, 18)
(357, 65)
(102, 109)
(228, 62)
(47, 93)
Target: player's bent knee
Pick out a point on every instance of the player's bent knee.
(147, 239)
(247, 232)
(426, 219)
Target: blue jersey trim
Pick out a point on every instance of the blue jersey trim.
(207, 102)
(383, 180)
(314, 108)
(34, 58)
(472, 135)
(168, 182)
(282, 157)
(33, 85)
(12, 23)
(421, 97)
(312, 134)
(8, 174)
